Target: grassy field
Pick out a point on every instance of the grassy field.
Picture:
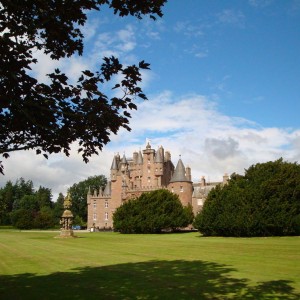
(35, 265)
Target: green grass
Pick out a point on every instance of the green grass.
(35, 265)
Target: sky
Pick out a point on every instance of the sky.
(223, 90)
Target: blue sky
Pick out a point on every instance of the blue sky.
(224, 88)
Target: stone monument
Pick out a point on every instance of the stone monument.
(66, 219)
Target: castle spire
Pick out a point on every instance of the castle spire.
(179, 173)
(114, 165)
(158, 156)
(140, 158)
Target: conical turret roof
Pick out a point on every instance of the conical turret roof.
(158, 157)
(107, 190)
(140, 158)
(114, 165)
(124, 160)
(179, 173)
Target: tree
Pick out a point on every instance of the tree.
(150, 213)
(49, 117)
(78, 192)
(263, 202)
(45, 218)
(22, 218)
(21, 197)
(58, 207)
(43, 196)
(6, 202)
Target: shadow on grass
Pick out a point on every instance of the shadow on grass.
(144, 280)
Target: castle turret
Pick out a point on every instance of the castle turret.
(148, 178)
(124, 164)
(140, 158)
(107, 189)
(181, 185)
(179, 173)
(159, 164)
(114, 168)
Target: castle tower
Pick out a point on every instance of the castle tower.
(148, 178)
(114, 168)
(159, 166)
(181, 185)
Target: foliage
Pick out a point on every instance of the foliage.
(264, 202)
(44, 218)
(78, 192)
(58, 208)
(48, 117)
(78, 221)
(10, 196)
(24, 207)
(22, 218)
(150, 213)
(38, 208)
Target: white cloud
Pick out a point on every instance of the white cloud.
(210, 142)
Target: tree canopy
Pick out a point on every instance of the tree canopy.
(25, 208)
(152, 212)
(49, 117)
(263, 202)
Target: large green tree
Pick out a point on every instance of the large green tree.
(48, 117)
(78, 192)
(21, 204)
(263, 202)
(151, 213)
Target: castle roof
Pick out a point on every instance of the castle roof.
(140, 158)
(179, 173)
(107, 189)
(158, 157)
(124, 160)
(114, 165)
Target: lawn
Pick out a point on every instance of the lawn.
(35, 265)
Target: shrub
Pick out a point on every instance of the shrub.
(263, 202)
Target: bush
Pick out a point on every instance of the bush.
(264, 202)
(151, 213)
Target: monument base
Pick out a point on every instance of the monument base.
(66, 233)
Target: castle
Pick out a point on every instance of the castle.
(147, 170)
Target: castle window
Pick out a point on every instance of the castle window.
(148, 170)
(95, 204)
(172, 189)
(106, 216)
(181, 188)
(94, 216)
(149, 179)
(106, 204)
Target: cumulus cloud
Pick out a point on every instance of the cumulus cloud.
(192, 126)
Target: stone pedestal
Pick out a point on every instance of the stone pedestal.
(66, 233)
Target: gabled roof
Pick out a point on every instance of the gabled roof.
(179, 173)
